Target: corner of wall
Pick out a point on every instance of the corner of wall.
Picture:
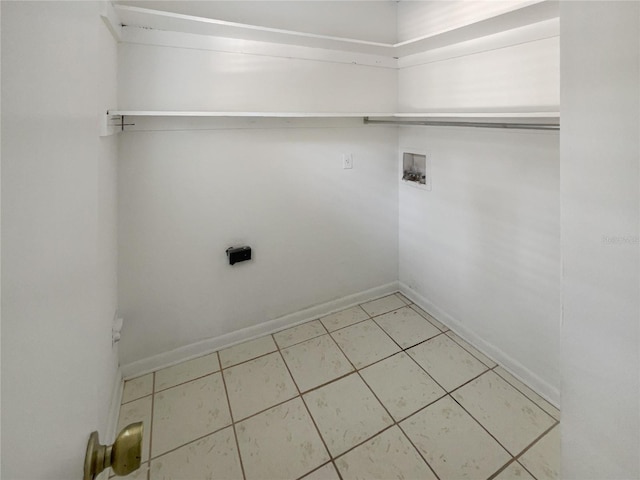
(539, 385)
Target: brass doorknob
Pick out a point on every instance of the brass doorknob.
(123, 456)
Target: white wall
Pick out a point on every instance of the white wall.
(483, 247)
(318, 232)
(517, 77)
(373, 21)
(600, 250)
(420, 18)
(58, 236)
(167, 78)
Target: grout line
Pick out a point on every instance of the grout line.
(514, 458)
(135, 399)
(525, 396)
(310, 416)
(240, 420)
(448, 393)
(534, 401)
(317, 387)
(406, 352)
(208, 434)
(335, 467)
(483, 427)
(523, 452)
(233, 424)
(302, 341)
(250, 359)
(446, 329)
(453, 390)
(368, 439)
(340, 328)
(525, 469)
(187, 381)
(468, 350)
(410, 346)
(394, 422)
(330, 462)
(350, 325)
(417, 449)
(502, 469)
(528, 447)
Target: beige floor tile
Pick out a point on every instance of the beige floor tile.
(137, 388)
(328, 472)
(406, 327)
(388, 455)
(453, 444)
(533, 396)
(404, 299)
(247, 351)
(346, 413)
(471, 349)
(447, 362)
(189, 411)
(431, 319)
(258, 384)
(543, 459)
(315, 362)
(138, 411)
(515, 471)
(298, 334)
(280, 443)
(344, 318)
(365, 343)
(140, 474)
(187, 371)
(401, 385)
(383, 305)
(513, 419)
(215, 456)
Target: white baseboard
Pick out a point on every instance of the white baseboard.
(187, 352)
(542, 387)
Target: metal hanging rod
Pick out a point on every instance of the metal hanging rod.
(438, 123)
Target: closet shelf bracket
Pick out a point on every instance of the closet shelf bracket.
(110, 124)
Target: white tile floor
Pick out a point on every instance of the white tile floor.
(377, 391)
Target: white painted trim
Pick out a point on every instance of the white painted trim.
(177, 22)
(194, 350)
(163, 38)
(114, 408)
(515, 36)
(512, 16)
(522, 373)
(111, 19)
(376, 115)
(554, 113)
(176, 113)
(509, 38)
(507, 8)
